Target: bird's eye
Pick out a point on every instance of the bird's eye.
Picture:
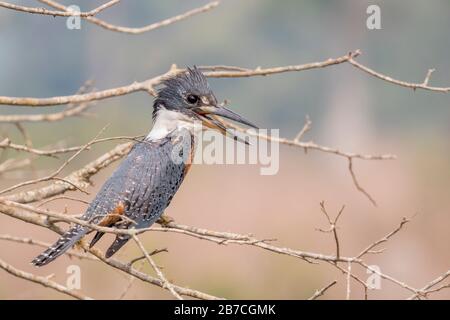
(192, 99)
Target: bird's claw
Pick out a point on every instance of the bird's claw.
(165, 220)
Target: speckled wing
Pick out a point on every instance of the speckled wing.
(140, 189)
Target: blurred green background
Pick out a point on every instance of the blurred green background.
(40, 57)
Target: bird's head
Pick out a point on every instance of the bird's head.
(190, 95)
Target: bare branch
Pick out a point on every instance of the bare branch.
(15, 209)
(61, 198)
(148, 85)
(17, 205)
(147, 28)
(349, 272)
(41, 280)
(384, 239)
(129, 284)
(6, 143)
(427, 289)
(354, 277)
(357, 184)
(387, 277)
(30, 241)
(269, 71)
(423, 85)
(156, 251)
(146, 278)
(313, 146)
(166, 283)
(80, 178)
(333, 227)
(54, 174)
(44, 11)
(50, 117)
(304, 130)
(127, 268)
(218, 237)
(320, 292)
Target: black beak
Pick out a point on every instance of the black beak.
(207, 113)
(223, 112)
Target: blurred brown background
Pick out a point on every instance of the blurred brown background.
(349, 109)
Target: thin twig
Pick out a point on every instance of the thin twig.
(62, 198)
(31, 217)
(423, 85)
(320, 292)
(313, 146)
(148, 85)
(428, 287)
(80, 178)
(140, 30)
(357, 184)
(166, 283)
(333, 227)
(304, 130)
(369, 249)
(30, 241)
(41, 280)
(53, 176)
(6, 143)
(349, 272)
(44, 11)
(129, 284)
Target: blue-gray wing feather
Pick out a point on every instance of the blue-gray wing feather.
(143, 184)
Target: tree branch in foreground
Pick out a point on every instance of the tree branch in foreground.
(46, 218)
(150, 84)
(139, 30)
(44, 11)
(216, 72)
(41, 280)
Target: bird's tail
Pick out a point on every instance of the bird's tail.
(64, 243)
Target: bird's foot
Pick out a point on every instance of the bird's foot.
(165, 220)
(80, 245)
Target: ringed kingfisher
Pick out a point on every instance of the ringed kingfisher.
(143, 185)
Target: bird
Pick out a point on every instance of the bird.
(143, 185)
